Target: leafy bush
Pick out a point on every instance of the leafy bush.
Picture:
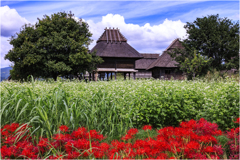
(115, 106)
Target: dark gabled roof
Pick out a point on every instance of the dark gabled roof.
(112, 35)
(113, 48)
(165, 60)
(150, 55)
(148, 59)
(175, 44)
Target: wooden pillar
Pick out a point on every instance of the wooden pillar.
(111, 75)
(107, 76)
(115, 75)
(124, 75)
(89, 78)
(93, 76)
(134, 75)
(129, 75)
(174, 74)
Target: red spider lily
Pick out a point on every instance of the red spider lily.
(69, 146)
(214, 157)
(233, 133)
(193, 145)
(24, 127)
(4, 134)
(197, 156)
(208, 139)
(81, 132)
(117, 145)
(10, 140)
(73, 155)
(234, 148)
(208, 149)
(98, 154)
(6, 152)
(237, 120)
(218, 149)
(126, 137)
(132, 131)
(63, 128)
(162, 156)
(104, 146)
(62, 137)
(56, 157)
(94, 135)
(115, 155)
(192, 140)
(11, 128)
(202, 127)
(30, 151)
(43, 142)
(147, 127)
(43, 145)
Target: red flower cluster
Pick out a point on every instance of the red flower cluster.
(237, 120)
(233, 135)
(192, 140)
(147, 127)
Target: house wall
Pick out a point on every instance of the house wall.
(167, 73)
(142, 73)
(117, 63)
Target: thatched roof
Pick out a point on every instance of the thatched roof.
(150, 55)
(165, 59)
(148, 59)
(112, 35)
(174, 44)
(113, 44)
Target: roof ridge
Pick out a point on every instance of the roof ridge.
(154, 63)
(174, 41)
(122, 34)
(101, 35)
(112, 35)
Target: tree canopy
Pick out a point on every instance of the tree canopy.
(56, 45)
(213, 38)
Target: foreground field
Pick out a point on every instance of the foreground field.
(114, 107)
(191, 140)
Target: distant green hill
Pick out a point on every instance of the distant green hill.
(5, 72)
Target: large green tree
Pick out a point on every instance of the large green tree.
(56, 45)
(214, 38)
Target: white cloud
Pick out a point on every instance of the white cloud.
(11, 21)
(227, 10)
(5, 47)
(145, 39)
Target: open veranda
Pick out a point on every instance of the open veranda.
(120, 119)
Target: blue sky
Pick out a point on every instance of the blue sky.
(149, 26)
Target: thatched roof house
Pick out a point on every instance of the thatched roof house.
(117, 54)
(165, 66)
(165, 59)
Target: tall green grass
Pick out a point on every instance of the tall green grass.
(115, 106)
